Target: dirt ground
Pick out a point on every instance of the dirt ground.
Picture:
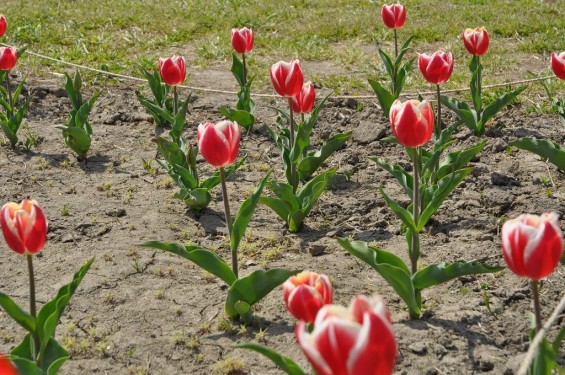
(140, 311)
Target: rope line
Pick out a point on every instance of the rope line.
(218, 91)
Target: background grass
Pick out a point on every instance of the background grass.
(123, 35)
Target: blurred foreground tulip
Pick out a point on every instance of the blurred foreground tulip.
(412, 122)
(242, 40)
(476, 40)
(8, 58)
(287, 78)
(3, 24)
(173, 70)
(24, 226)
(304, 101)
(437, 67)
(393, 15)
(558, 64)
(532, 245)
(219, 143)
(358, 340)
(6, 367)
(306, 293)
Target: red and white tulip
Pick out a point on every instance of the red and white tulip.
(287, 78)
(306, 293)
(558, 64)
(8, 58)
(437, 67)
(3, 24)
(172, 70)
(24, 226)
(393, 15)
(412, 122)
(242, 40)
(476, 40)
(219, 143)
(304, 101)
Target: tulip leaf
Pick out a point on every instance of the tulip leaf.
(244, 311)
(24, 349)
(462, 110)
(179, 122)
(281, 207)
(545, 148)
(54, 357)
(384, 97)
(314, 160)
(285, 193)
(401, 76)
(9, 133)
(243, 118)
(440, 273)
(215, 179)
(237, 69)
(459, 159)
(389, 266)
(203, 258)
(49, 315)
(77, 139)
(475, 89)
(285, 364)
(157, 87)
(494, 107)
(405, 48)
(387, 61)
(560, 107)
(245, 213)
(438, 194)
(401, 212)
(26, 366)
(252, 288)
(402, 176)
(17, 313)
(196, 199)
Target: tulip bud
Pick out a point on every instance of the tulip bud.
(24, 226)
(6, 367)
(304, 101)
(3, 24)
(558, 64)
(476, 40)
(412, 122)
(532, 245)
(437, 67)
(8, 58)
(393, 15)
(219, 144)
(305, 294)
(242, 40)
(353, 341)
(173, 70)
(287, 78)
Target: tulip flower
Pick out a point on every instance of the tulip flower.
(304, 101)
(3, 24)
(532, 247)
(8, 58)
(476, 40)
(358, 340)
(558, 64)
(393, 15)
(242, 40)
(24, 226)
(306, 293)
(412, 122)
(6, 367)
(173, 73)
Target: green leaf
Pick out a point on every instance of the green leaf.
(405, 48)
(179, 121)
(243, 118)
(494, 107)
(26, 366)
(314, 160)
(387, 61)
(17, 313)
(77, 139)
(462, 110)
(389, 266)
(252, 288)
(285, 193)
(558, 340)
(49, 315)
(54, 357)
(24, 349)
(545, 360)
(404, 178)
(203, 258)
(440, 273)
(215, 179)
(545, 148)
(475, 92)
(11, 135)
(245, 213)
(401, 212)
(244, 311)
(384, 97)
(459, 159)
(284, 363)
(309, 194)
(196, 199)
(401, 76)
(237, 70)
(280, 207)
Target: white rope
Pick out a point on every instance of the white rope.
(218, 91)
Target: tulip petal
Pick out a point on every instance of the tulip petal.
(306, 342)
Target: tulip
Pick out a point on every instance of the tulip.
(350, 341)
(3, 24)
(173, 70)
(437, 67)
(412, 122)
(304, 101)
(532, 245)
(393, 15)
(8, 58)
(24, 226)
(306, 293)
(219, 144)
(242, 40)
(287, 78)
(558, 64)
(6, 367)
(476, 40)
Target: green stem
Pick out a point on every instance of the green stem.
(437, 127)
(244, 69)
(11, 110)
(415, 253)
(302, 117)
(32, 305)
(537, 309)
(479, 87)
(228, 219)
(291, 146)
(395, 57)
(175, 100)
